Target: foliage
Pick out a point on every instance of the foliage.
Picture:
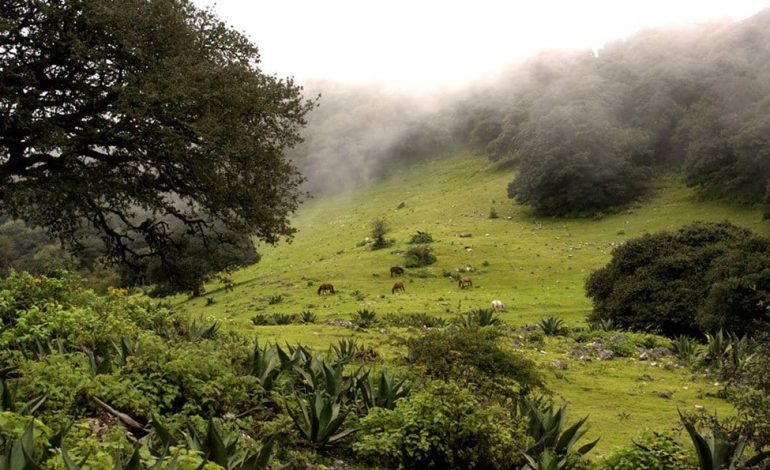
(653, 450)
(123, 116)
(552, 326)
(668, 282)
(418, 256)
(472, 356)
(684, 348)
(421, 238)
(753, 403)
(479, 318)
(364, 318)
(441, 426)
(384, 392)
(308, 317)
(379, 230)
(721, 448)
(552, 441)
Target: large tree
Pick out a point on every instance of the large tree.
(140, 116)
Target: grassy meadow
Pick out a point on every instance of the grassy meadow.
(537, 266)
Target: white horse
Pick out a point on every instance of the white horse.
(498, 306)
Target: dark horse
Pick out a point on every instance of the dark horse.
(465, 283)
(396, 271)
(398, 287)
(326, 289)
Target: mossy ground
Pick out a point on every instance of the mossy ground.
(537, 266)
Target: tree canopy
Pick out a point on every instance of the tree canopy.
(149, 121)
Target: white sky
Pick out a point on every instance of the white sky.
(427, 43)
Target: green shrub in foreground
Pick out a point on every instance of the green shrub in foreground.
(441, 426)
(653, 450)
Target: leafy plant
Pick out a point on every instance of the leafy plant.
(552, 326)
(346, 350)
(479, 318)
(319, 418)
(261, 319)
(719, 450)
(420, 238)
(379, 230)
(265, 365)
(383, 392)
(308, 317)
(653, 450)
(684, 348)
(364, 318)
(283, 318)
(553, 446)
(419, 255)
(274, 299)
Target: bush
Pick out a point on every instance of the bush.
(419, 255)
(698, 279)
(474, 357)
(441, 426)
(654, 450)
(421, 238)
(379, 230)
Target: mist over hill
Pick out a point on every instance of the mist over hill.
(693, 98)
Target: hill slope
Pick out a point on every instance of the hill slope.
(537, 266)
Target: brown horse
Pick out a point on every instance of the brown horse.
(326, 289)
(398, 287)
(396, 271)
(465, 283)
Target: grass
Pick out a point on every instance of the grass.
(537, 266)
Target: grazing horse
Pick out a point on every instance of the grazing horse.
(396, 271)
(498, 306)
(398, 287)
(326, 289)
(465, 283)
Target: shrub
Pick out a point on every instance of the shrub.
(700, 278)
(379, 230)
(441, 426)
(653, 450)
(419, 255)
(415, 320)
(421, 238)
(493, 213)
(473, 356)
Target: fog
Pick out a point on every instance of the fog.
(402, 81)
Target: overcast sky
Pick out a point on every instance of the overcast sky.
(429, 43)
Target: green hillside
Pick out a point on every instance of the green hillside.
(536, 266)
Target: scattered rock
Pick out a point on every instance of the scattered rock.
(401, 205)
(700, 408)
(557, 364)
(644, 355)
(464, 235)
(605, 355)
(340, 322)
(667, 394)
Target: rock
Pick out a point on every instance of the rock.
(667, 394)
(644, 356)
(517, 342)
(605, 355)
(660, 352)
(557, 364)
(617, 339)
(700, 408)
(464, 235)
(401, 205)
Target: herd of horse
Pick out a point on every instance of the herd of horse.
(464, 282)
(395, 271)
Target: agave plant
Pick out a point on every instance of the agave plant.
(552, 326)
(261, 319)
(319, 418)
(364, 318)
(718, 450)
(479, 318)
(7, 398)
(683, 347)
(604, 324)
(308, 317)
(546, 428)
(717, 346)
(283, 318)
(321, 375)
(346, 350)
(265, 365)
(214, 447)
(383, 392)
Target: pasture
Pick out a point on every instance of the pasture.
(536, 266)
